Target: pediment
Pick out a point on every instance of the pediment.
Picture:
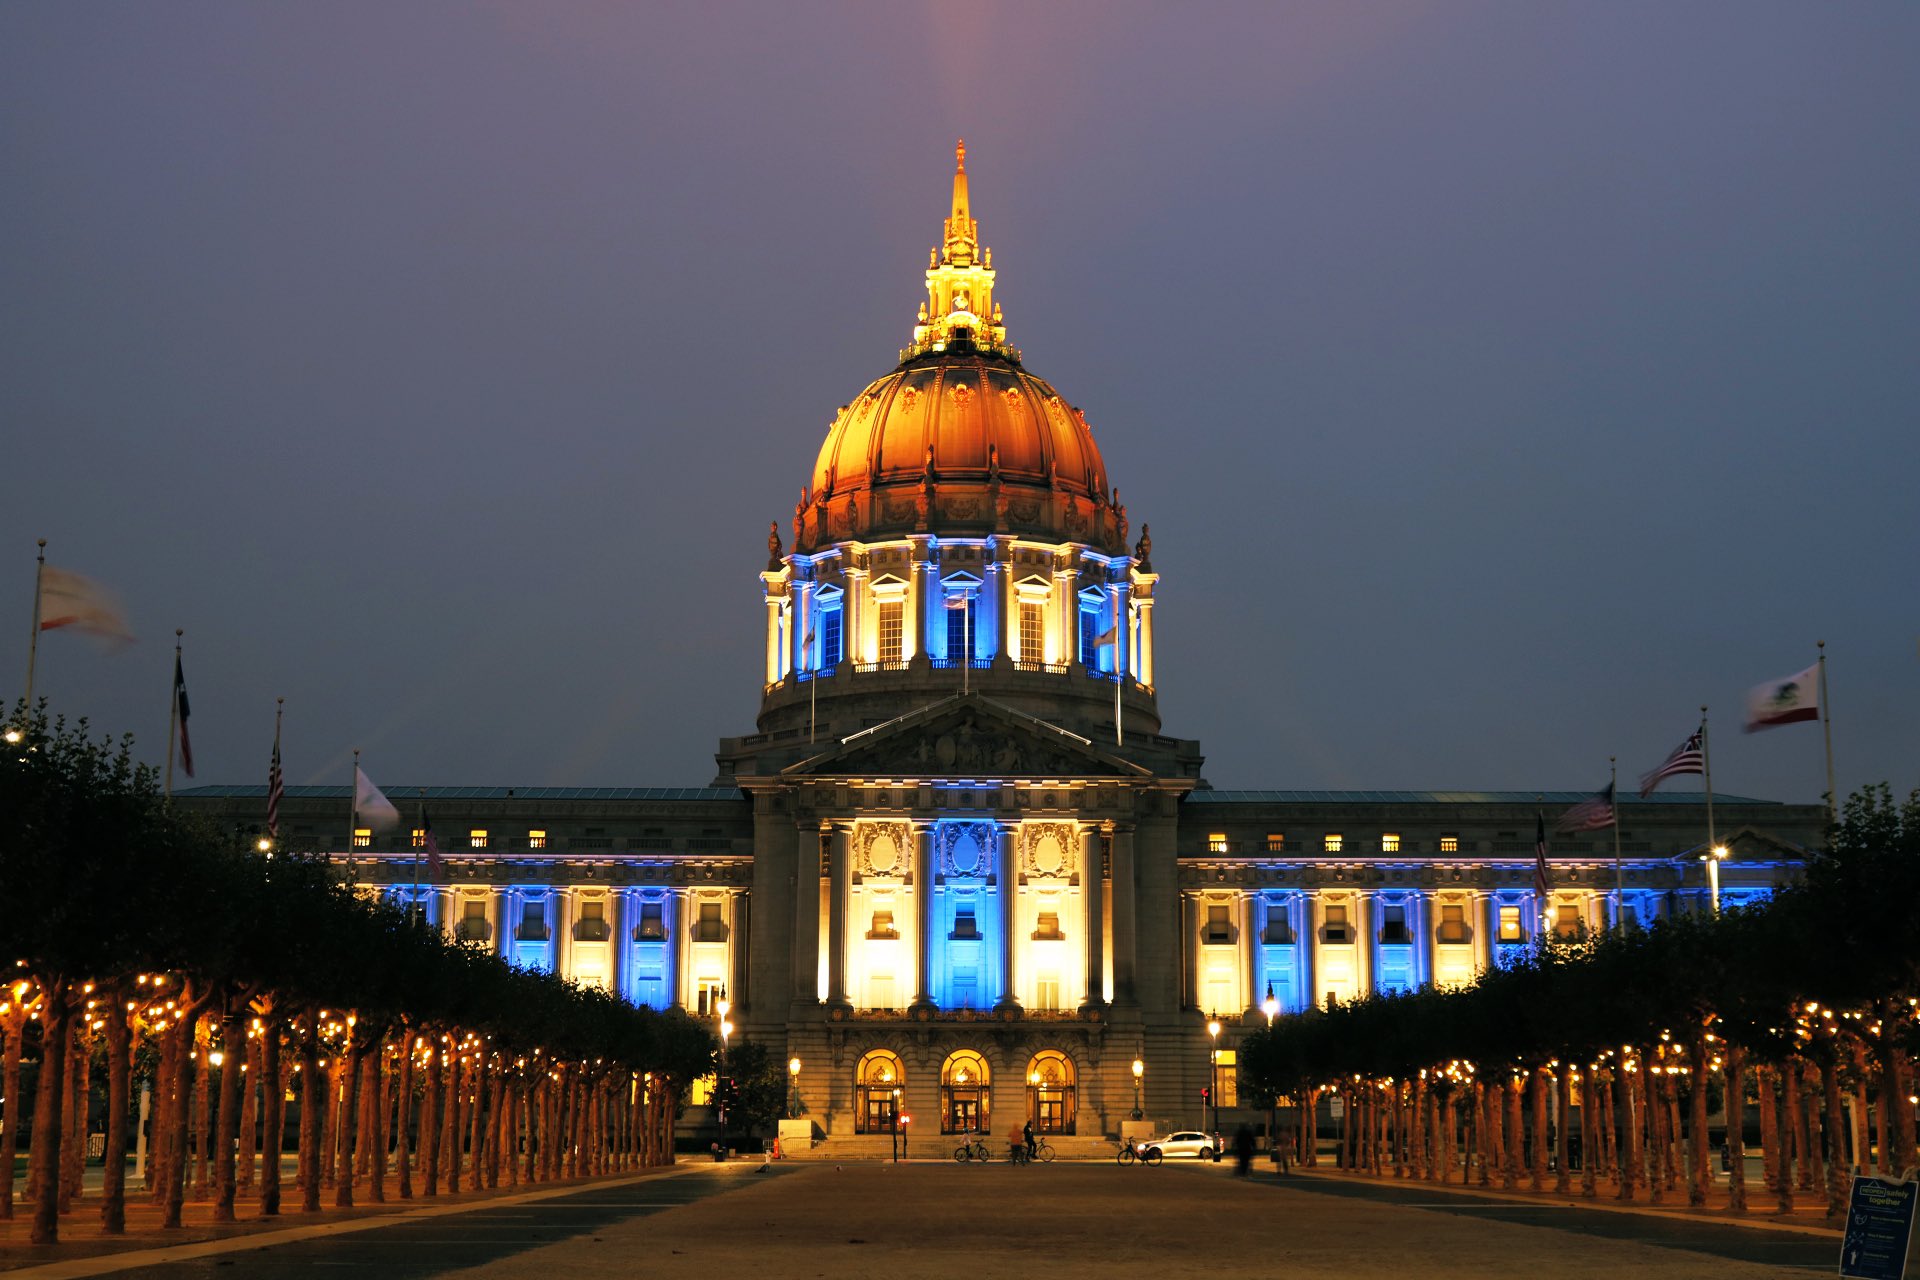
(966, 736)
(1750, 843)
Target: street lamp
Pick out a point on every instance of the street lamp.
(1213, 1071)
(896, 1126)
(793, 1089)
(1270, 1006)
(723, 1007)
(1139, 1069)
(1718, 856)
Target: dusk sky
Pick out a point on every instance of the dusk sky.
(1501, 381)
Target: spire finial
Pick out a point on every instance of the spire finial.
(960, 155)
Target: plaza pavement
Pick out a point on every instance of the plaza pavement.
(939, 1219)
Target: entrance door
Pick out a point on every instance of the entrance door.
(879, 1110)
(965, 1116)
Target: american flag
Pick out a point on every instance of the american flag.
(432, 845)
(1540, 885)
(1688, 757)
(276, 790)
(1592, 814)
(180, 705)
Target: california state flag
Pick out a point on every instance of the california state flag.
(1786, 701)
(69, 600)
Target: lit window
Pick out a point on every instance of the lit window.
(363, 837)
(1219, 926)
(1046, 992)
(1279, 931)
(883, 926)
(710, 927)
(1217, 842)
(536, 839)
(1033, 633)
(1336, 927)
(592, 925)
(419, 837)
(1390, 842)
(1048, 929)
(652, 923)
(477, 838)
(1276, 842)
(473, 926)
(1090, 638)
(891, 640)
(1450, 843)
(1393, 924)
(962, 627)
(1453, 923)
(1334, 841)
(1566, 919)
(533, 922)
(965, 924)
(830, 639)
(1510, 930)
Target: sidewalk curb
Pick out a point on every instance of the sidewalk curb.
(1606, 1206)
(100, 1264)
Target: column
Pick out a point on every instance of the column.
(563, 932)
(739, 953)
(1488, 931)
(1249, 951)
(1060, 629)
(1196, 996)
(1146, 640)
(1092, 895)
(809, 846)
(682, 936)
(773, 639)
(1122, 627)
(1124, 942)
(1009, 611)
(992, 605)
(802, 622)
(443, 913)
(619, 942)
(922, 913)
(1006, 876)
(1365, 960)
(842, 873)
(506, 916)
(910, 628)
(853, 624)
(1420, 917)
(1304, 933)
(1314, 992)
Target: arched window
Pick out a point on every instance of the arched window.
(877, 1083)
(966, 1100)
(1051, 1092)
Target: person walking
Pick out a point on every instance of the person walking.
(1027, 1133)
(1243, 1151)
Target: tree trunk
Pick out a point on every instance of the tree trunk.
(160, 1122)
(1895, 1107)
(233, 1049)
(496, 1123)
(1589, 1133)
(113, 1169)
(13, 1025)
(476, 1120)
(452, 1129)
(1563, 1116)
(403, 1115)
(349, 1112)
(430, 1120)
(1736, 1128)
(273, 1088)
(1537, 1105)
(1838, 1183)
(313, 1115)
(49, 1120)
(1701, 1173)
(249, 1115)
(377, 1120)
(1769, 1136)
(1782, 1106)
(184, 1085)
(1800, 1106)
(1658, 1140)
(73, 1156)
(1623, 1118)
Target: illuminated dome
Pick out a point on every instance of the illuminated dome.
(960, 438)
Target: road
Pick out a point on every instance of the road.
(1059, 1220)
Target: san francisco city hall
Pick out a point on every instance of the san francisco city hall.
(939, 874)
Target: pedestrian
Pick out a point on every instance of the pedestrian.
(1243, 1150)
(1027, 1133)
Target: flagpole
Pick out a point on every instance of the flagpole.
(1619, 875)
(966, 644)
(414, 904)
(1826, 720)
(33, 639)
(173, 709)
(273, 827)
(1713, 844)
(353, 812)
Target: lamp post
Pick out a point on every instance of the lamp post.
(1213, 1070)
(793, 1088)
(1271, 1007)
(723, 1007)
(895, 1117)
(1714, 859)
(1139, 1069)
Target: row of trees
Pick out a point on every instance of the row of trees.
(143, 939)
(1803, 1012)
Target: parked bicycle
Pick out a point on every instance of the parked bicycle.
(1130, 1152)
(975, 1148)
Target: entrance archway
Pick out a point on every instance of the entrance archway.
(966, 1099)
(877, 1085)
(1052, 1092)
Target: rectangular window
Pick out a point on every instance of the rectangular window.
(1450, 843)
(533, 922)
(477, 838)
(1336, 926)
(473, 926)
(1033, 632)
(1046, 991)
(1393, 924)
(1047, 928)
(883, 926)
(1276, 842)
(830, 639)
(963, 629)
(536, 839)
(1566, 919)
(965, 924)
(891, 641)
(1216, 842)
(419, 837)
(592, 925)
(1219, 926)
(652, 924)
(1090, 638)
(363, 837)
(1510, 930)
(1453, 923)
(710, 927)
(1390, 842)
(1333, 842)
(1279, 931)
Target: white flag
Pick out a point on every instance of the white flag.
(69, 600)
(370, 805)
(1786, 701)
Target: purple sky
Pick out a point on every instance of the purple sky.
(1501, 381)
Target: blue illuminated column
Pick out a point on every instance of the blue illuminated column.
(1306, 932)
(1005, 873)
(622, 941)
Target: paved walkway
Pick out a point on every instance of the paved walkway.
(940, 1219)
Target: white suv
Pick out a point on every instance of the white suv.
(1186, 1143)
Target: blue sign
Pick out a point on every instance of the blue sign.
(1879, 1227)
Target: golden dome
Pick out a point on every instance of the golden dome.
(959, 439)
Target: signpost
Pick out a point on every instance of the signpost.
(1879, 1228)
